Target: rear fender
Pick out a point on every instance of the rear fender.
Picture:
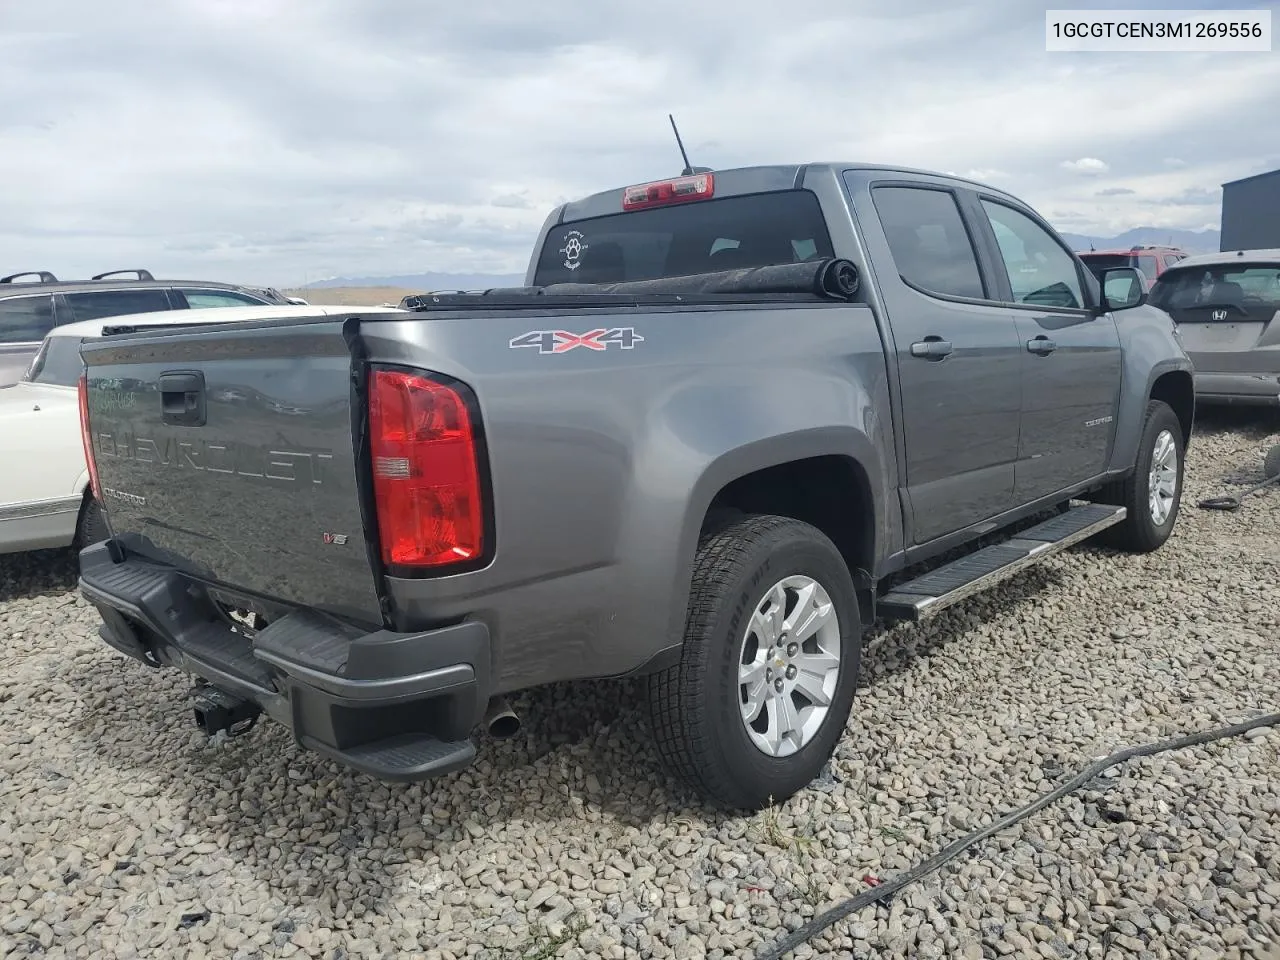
(753, 434)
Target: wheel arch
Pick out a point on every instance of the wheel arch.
(821, 476)
(1177, 389)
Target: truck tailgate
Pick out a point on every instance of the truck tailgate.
(228, 452)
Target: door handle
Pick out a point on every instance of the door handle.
(1041, 345)
(932, 348)
(182, 397)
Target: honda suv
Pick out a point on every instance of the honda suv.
(31, 308)
(1226, 306)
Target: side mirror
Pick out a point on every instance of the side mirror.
(1122, 289)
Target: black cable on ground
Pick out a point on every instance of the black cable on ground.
(1270, 470)
(891, 886)
(1233, 503)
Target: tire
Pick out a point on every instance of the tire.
(1140, 531)
(1271, 463)
(697, 707)
(91, 528)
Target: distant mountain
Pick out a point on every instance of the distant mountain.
(426, 281)
(1192, 241)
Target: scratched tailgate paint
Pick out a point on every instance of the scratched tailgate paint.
(264, 492)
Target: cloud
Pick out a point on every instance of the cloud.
(987, 175)
(1116, 192)
(1195, 197)
(1088, 166)
(275, 140)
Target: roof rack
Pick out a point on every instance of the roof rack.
(44, 275)
(142, 274)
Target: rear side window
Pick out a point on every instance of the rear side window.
(702, 237)
(218, 298)
(25, 319)
(1148, 267)
(928, 240)
(96, 304)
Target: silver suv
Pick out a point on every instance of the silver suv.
(1227, 308)
(30, 308)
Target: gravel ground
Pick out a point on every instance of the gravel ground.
(125, 833)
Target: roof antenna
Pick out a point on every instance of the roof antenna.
(688, 170)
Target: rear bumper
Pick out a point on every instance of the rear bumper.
(399, 706)
(1254, 389)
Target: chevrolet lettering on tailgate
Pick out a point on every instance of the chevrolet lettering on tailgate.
(289, 466)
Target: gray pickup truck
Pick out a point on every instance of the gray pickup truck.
(732, 419)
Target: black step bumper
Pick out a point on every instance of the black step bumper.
(399, 706)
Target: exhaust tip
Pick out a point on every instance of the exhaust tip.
(504, 727)
(500, 720)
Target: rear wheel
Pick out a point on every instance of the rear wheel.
(1152, 494)
(772, 645)
(91, 528)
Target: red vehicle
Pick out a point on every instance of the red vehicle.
(1150, 260)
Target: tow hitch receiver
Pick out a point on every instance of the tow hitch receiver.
(217, 710)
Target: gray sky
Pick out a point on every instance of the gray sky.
(283, 140)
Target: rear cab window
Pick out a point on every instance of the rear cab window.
(25, 319)
(1099, 263)
(705, 236)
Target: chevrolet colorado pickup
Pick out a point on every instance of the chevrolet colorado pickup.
(730, 421)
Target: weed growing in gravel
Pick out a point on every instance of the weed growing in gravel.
(811, 885)
(541, 943)
(893, 833)
(770, 829)
(804, 843)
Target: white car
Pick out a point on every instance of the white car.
(44, 483)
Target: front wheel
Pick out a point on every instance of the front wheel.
(1152, 494)
(770, 661)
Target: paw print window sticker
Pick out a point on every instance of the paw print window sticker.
(574, 245)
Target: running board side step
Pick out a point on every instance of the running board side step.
(938, 589)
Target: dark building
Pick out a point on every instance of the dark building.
(1251, 212)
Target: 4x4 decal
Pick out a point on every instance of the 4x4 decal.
(561, 341)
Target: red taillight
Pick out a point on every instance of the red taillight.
(426, 478)
(87, 438)
(701, 186)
